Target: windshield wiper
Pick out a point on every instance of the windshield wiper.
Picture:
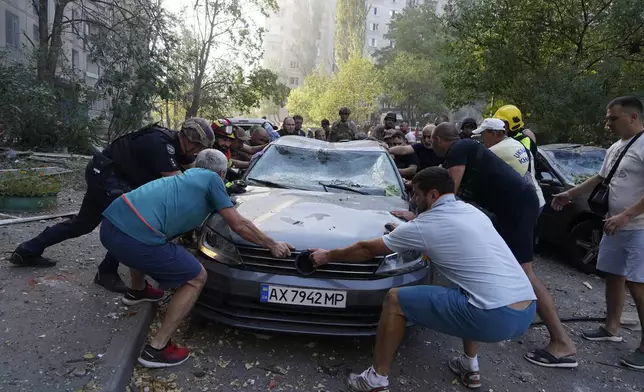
(341, 187)
(270, 183)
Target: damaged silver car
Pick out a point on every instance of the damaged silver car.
(312, 194)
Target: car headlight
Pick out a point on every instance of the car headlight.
(218, 248)
(402, 263)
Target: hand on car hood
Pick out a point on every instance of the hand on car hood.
(317, 219)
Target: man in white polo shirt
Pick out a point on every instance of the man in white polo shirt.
(494, 300)
(511, 151)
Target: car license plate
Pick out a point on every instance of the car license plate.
(303, 297)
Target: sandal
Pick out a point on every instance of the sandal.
(543, 358)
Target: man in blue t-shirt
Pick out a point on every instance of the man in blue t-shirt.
(485, 179)
(137, 228)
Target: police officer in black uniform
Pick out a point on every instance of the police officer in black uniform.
(129, 162)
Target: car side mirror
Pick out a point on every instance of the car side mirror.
(549, 179)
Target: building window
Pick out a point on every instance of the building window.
(392, 13)
(275, 46)
(294, 81)
(375, 11)
(75, 14)
(75, 59)
(12, 29)
(36, 34)
(373, 43)
(295, 65)
(394, 1)
(374, 27)
(34, 6)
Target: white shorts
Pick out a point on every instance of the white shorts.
(623, 254)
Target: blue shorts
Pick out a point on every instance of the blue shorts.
(622, 254)
(169, 264)
(448, 311)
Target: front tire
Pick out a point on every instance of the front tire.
(583, 244)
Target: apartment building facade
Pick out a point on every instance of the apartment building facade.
(299, 38)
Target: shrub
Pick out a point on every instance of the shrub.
(28, 183)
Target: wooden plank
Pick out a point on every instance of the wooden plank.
(6, 222)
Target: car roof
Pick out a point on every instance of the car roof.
(242, 120)
(568, 146)
(304, 142)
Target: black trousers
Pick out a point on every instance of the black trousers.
(102, 189)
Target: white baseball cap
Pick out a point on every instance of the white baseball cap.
(490, 124)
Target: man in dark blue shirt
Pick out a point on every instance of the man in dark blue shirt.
(129, 162)
(491, 183)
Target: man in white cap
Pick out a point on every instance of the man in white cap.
(511, 151)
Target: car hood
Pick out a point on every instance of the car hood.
(307, 219)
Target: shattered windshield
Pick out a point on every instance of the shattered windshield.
(577, 164)
(366, 172)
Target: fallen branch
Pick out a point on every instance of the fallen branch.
(57, 155)
(6, 222)
(43, 159)
(8, 216)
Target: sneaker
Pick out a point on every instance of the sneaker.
(148, 294)
(360, 383)
(111, 282)
(635, 360)
(170, 355)
(601, 335)
(26, 259)
(468, 378)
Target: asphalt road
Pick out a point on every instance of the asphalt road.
(230, 360)
(54, 323)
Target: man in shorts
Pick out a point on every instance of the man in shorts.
(486, 180)
(621, 250)
(139, 225)
(493, 301)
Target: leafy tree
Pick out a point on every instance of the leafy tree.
(357, 85)
(412, 67)
(134, 56)
(350, 28)
(39, 115)
(559, 61)
(222, 33)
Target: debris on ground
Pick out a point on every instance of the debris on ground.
(590, 287)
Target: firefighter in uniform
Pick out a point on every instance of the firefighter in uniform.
(127, 163)
(514, 121)
(224, 132)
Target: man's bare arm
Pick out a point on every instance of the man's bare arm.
(360, 251)
(252, 149)
(245, 228)
(401, 150)
(586, 187)
(240, 164)
(457, 175)
(409, 172)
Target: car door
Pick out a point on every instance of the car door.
(550, 224)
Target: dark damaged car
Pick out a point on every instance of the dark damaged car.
(312, 194)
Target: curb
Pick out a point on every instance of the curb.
(118, 362)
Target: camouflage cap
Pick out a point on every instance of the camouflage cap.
(197, 130)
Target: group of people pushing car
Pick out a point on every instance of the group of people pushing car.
(153, 185)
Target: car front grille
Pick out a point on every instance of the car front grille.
(240, 311)
(261, 260)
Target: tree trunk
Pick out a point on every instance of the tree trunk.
(167, 113)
